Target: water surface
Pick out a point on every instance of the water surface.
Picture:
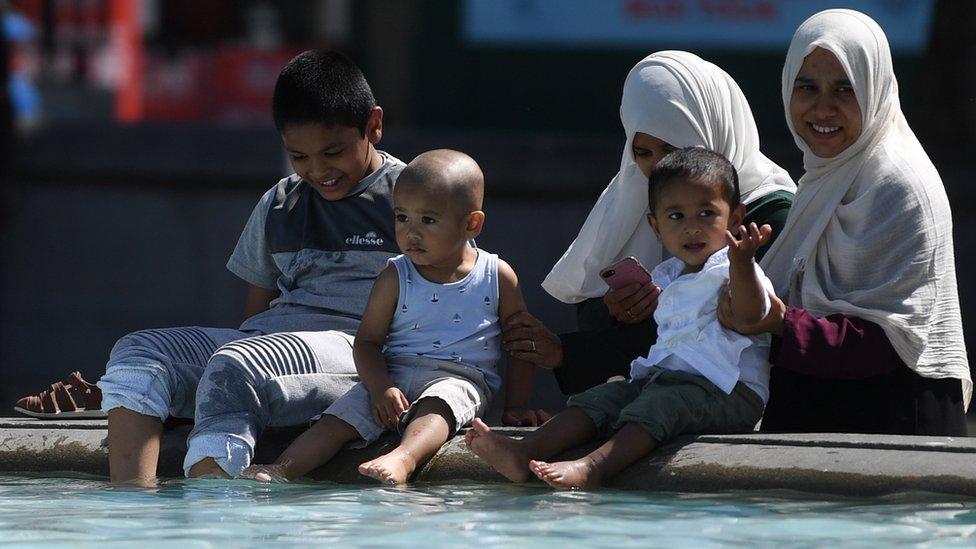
(91, 513)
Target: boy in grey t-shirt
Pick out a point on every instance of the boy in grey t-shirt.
(309, 252)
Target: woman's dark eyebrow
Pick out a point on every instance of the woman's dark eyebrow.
(838, 82)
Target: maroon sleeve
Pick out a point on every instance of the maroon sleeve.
(834, 346)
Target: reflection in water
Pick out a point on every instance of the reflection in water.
(239, 512)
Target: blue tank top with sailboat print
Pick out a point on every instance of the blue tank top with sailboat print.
(456, 321)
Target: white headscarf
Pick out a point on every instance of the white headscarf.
(685, 101)
(870, 231)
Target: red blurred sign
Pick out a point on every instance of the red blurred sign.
(245, 80)
(175, 89)
(233, 84)
(127, 42)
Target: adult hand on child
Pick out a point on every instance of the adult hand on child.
(524, 417)
(752, 238)
(388, 406)
(771, 323)
(528, 339)
(634, 303)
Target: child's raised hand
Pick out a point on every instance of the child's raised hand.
(753, 238)
(388, 406)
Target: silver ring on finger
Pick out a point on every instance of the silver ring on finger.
(532, 343)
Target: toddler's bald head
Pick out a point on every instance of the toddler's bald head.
(445, 173)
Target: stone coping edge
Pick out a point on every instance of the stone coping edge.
(841, 464)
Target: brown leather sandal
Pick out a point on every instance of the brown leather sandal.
(59, 401)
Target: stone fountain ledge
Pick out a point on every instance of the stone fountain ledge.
(843, 464)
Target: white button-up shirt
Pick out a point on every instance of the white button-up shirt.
(689, 336)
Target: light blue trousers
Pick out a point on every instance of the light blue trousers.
(233, 383)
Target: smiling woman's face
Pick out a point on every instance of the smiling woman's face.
(823, 108)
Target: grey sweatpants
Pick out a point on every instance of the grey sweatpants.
(233, 383)
(462, 388)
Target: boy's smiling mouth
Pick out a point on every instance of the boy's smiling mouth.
(329, 183)
(694, 246)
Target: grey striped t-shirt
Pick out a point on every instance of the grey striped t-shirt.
(323, 256)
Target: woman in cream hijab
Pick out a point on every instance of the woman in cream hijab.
(671, 99)
(871, 336)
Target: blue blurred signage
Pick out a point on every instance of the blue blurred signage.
(739, 24)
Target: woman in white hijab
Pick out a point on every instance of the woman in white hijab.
(671, 99)
(871, 336)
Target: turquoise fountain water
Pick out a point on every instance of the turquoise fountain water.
(91, 513)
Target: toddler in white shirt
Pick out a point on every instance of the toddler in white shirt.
(698, 377)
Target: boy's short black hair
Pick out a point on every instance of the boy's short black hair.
(698, 164)
(322, 86)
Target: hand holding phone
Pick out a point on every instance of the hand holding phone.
(625, 272)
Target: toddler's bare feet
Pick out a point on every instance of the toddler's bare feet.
(567, 475)
(470, 436)
(504, 454)
(393, 468)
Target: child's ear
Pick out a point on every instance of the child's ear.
(736, 217)
(374, 125)
(473, 223)
(653, 223)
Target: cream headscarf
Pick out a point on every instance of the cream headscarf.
(870, 231)
(685, 101)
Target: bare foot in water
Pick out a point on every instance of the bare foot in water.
(567, 475)
(207, 468)
(393, 468)
(504, 454)
(264, 473)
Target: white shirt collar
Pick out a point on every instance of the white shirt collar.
(671, 269)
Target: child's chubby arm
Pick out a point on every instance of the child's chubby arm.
(387, 402)
(519, 375)
(748, 295)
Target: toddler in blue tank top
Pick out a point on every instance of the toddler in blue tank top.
(427, 347)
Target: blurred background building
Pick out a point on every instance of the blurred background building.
(144, 137)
